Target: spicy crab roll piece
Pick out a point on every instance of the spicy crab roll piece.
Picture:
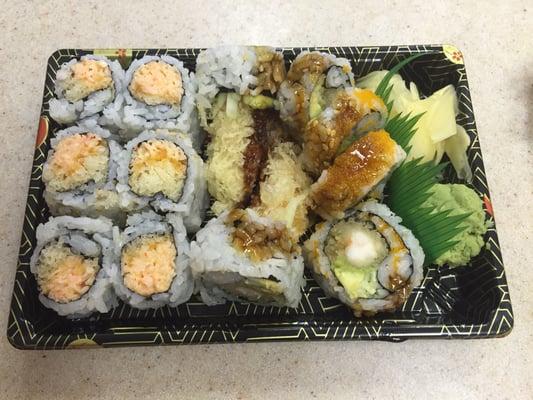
(152, 269)
(367, 260)
(80, 173)
(85, 87)
(161, 169)
(69, 264)
(253, 72)
(364, 165)
(309, 74)
(159, 93)
(336, 115)
(244, 257)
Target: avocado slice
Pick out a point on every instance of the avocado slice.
(358, 282)
(258, 102)
(316, 100)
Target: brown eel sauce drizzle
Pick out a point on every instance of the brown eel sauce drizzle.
(265, 136)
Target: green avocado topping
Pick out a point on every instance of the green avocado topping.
(258, 102)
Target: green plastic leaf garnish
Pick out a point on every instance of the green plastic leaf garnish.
(384, 89)
(406, 192)
(401, 128)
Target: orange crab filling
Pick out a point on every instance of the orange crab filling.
(158, 166)
(64, 276)
(148, 264)
(77, 160)
(87, 77)
(157, 83)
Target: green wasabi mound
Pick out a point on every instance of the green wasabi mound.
(460, 199)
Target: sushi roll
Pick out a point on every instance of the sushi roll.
(367, 259)
(69, 263)
(365, 165)
(254, 72)
(310, 74)
(161, 169)
(244, 257)
(159, 92)
(284, 189)
(236, 85)
(85, 87)
(152, 267)
(240, 139)
(336, 114)
(80, 173)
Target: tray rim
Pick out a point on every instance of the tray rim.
(301, 331)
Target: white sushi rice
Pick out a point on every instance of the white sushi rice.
(146, 223)
(92, 238)
(318, 262)
(129, 116)
(229, 67)
(336, 77)
(214, 259)
(194, 199)
(66, 112)
(111, 117)
(84, 200)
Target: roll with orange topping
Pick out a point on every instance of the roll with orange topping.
(161, 169)
(80, 173)
(367, 260)
(159, 92)
(70, 261)
(365, 165)
(85, 87)
(153, 266)
(338, 115)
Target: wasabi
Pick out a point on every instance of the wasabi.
(461, 199)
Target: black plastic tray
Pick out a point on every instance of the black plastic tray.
(466, 302)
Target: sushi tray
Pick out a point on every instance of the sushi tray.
(249, 193)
